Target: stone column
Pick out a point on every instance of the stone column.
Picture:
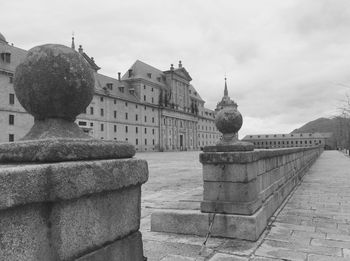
(64, 195)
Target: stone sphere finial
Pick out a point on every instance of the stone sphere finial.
(229, 120)
(54, 82)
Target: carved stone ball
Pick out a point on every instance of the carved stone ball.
(54, 81)
(229, 120)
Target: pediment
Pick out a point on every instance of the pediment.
(183, 74)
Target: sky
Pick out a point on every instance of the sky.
(287, 62)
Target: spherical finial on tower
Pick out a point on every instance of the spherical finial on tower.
(54, 81)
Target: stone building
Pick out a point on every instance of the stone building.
(268, 141)
(152, 109)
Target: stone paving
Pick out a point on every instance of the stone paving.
(313, 224)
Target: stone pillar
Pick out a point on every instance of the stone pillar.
(63, 194)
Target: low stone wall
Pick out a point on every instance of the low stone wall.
(79, 210)
(244, 189)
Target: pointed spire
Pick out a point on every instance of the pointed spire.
(225, 91)
(73, 44)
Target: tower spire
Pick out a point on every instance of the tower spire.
(225, 91)
(73, 44)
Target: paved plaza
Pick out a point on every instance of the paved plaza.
(312, 225)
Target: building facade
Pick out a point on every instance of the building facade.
(152, 109)
(268, 141)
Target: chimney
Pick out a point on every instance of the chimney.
(92, 59)
(180, 64)
(171, 67)
(130, 73)
(118, 76)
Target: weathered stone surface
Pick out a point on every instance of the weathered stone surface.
(24, 234)
(244, 208)
(25, 184)
(87, 223)
(54, 81)
(126, 249)
(196, 223)
(230, 191)
(56, 150)
(230, 172)
(237, 146)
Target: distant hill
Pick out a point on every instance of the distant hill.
(340, 127)
(319, 125)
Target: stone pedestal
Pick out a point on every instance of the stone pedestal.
(63, 195)
(72, 210)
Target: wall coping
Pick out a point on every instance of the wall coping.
(241, 157)
(34, 183)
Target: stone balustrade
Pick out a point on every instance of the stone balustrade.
(243, 189)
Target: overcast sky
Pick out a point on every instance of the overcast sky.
(286, 61)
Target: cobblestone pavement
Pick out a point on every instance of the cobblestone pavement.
(312, 225)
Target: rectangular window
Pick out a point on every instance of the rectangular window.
(144, 97)
(101, 99)
(145, 130)
(153, 141)
(115, 128)
(11, 137)
(115, 114)
(115, 101)
(11, 98)
(10, 79)
(102, 127)
(152, 100)
(153, 131)
(126, 115)
(153, 119)
(137, 141)
(126, 129)
(137, 130)
(102, 112)
(145, 118)
(145, 141)
(126, 104)
(11, 119)
(92, 110)
(136, 117)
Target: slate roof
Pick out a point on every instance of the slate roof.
(194, 94)
(141, 70)
(17, 55)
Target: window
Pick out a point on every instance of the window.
(11, 137)
(144, 87)
(101, 99)
(136, 129)
(136, 106)
(102, 127)
(102, 112)
(126, 129)
(152, 100)
(144, 97)
(10, 79)
(152, 89)
(126, 104)
(145, 118)
(145, 108)
(91, 124)
(126, 115)
(115, 114)
(136, 117)
(115, 101)
(92, 110)
(115, 128)
(137, 141)
(110, 86)
(82, 123)
(145, 141)
(153, 131)
(153, 119)
(145, 130)
(11, 98)
(153, 141)
(149, 75)
(11, 119)
(6, 57)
